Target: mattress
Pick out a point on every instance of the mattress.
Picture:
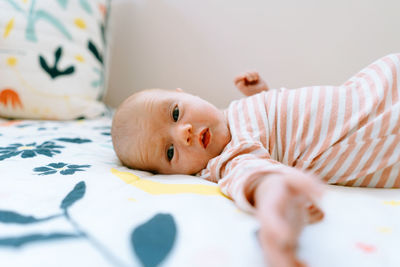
(66, 200)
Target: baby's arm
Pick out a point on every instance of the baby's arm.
(281, 197)
(284, 205)
(250, 83)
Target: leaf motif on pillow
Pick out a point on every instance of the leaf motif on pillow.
(63, 3)
(83, 3)
(53, 71)
(33, 16)
(92, 47)
(8, 28)
(100, 72)
(41, 14)
(100, 80)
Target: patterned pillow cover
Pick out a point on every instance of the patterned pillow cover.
(52, 58)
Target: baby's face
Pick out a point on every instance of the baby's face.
(179, 132)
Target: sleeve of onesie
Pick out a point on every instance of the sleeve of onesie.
(244, 167)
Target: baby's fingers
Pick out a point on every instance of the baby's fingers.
(311, 190)
(247, 77)
(315, 214)
(308, 185)
(251, 77)
(277, 255)
(239, 78)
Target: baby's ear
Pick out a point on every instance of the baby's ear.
(179, 90)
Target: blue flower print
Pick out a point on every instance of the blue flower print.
(74, 140)
(63, 168)
(30, 150)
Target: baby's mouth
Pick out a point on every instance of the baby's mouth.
(205, 137)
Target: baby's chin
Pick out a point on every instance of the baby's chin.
(187, 170)
(200, 166)
(194, 169)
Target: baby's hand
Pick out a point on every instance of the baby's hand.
(285, 204)
(250, 83)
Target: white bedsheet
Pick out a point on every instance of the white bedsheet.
(361, 228)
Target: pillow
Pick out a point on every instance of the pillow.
(52, 58)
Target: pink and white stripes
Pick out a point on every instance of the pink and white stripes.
(347, 135)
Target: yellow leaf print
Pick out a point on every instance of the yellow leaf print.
(80, 58)
(156, 188)
(12, 61)
(80, 23)
(8, 28)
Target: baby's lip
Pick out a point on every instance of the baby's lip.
(205, 137)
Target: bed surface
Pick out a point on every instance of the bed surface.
(65, 200)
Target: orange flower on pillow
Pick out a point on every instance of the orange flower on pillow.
(103, 9)
(10, 96)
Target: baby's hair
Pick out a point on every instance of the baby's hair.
(125, 131)
(120, 131)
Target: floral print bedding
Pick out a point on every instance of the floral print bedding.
(65, 200)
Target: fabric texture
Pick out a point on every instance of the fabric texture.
(53, 56)
(347, 135)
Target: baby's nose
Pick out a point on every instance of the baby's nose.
(186, 134)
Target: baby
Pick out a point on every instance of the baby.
(265, 150)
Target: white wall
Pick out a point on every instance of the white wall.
(200, 45)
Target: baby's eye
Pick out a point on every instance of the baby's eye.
(170, 152)
(175, 114)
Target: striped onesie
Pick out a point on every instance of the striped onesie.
(347, 135)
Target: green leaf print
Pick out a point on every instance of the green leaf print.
(63, 3)
(153, 240)
(85, 6)
(24, 240)
(83, 3)
(53, 71)
(33, 16)
(14, 217)
(77, 193)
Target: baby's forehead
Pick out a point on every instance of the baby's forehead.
(150, 106)
(156, 95)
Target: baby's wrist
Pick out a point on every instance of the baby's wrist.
(258, 188)
(251, 190)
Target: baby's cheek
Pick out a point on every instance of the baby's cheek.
(198, 163)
